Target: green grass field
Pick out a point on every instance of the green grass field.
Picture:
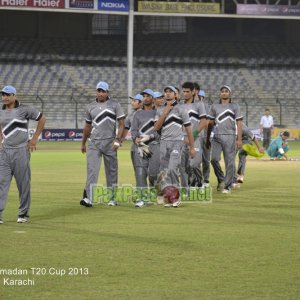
(240, 246)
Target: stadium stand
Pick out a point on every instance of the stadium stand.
(60, 74)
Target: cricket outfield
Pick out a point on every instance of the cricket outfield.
(240, 246)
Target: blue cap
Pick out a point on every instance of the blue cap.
(171, 87)
(9, 90)
(158, 94)
(102, 85)
(201, 93)
(226, 87)
(148, 92)
(137, 97)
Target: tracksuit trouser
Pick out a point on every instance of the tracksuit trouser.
(170, 161)
(227, 145)
(147, 168)
(190, 169)
(97, 149)
(15, 162)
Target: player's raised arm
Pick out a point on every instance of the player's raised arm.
(159, 123)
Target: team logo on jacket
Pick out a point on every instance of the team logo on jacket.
(105, 115)
(227, 114)
(14, 126)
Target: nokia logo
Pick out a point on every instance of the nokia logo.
(112, 5)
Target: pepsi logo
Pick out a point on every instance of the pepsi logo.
(48, 134)
(71, 134)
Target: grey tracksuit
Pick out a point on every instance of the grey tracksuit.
(128, 124)
(224, 140)
(14, 155)
(171, 143)
(143, 124)
(206, 153)
(103, 116)
(190, 168)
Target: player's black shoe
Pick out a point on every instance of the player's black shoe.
(86, 202)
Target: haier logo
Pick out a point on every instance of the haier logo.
(34, 3)
(113, 5)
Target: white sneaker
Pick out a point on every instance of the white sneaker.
(140, 204)
(177, 203)
(22, 220)
(112, 203)
(226, 191)
(205, 185)
(168, 205)
(86, 202)
(235, 185)
(240, 179)
(1, 222)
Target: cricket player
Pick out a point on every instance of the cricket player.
(190, 168)
(227, 119)
(279, 146)
(147, 140)
(15, 149)
(169, 120)
(136, 104)
(247, 138)
(206, 153)
(101, 119)
(158, 99)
